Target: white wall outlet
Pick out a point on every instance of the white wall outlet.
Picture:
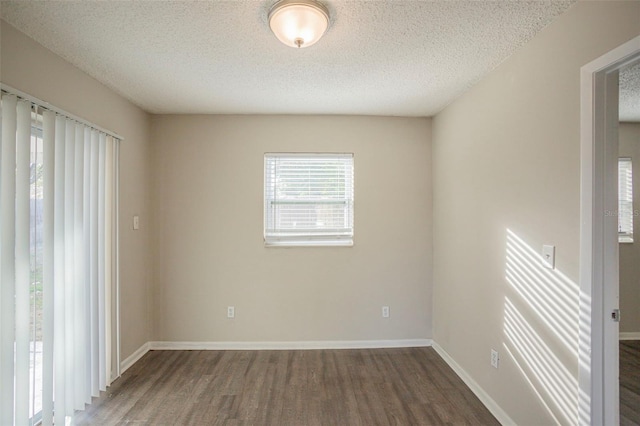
(231, 312)
(549, 256)
(494, 358)
(136, 222)
(385, 312)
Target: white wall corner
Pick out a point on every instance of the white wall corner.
(629, 336)
(134, 357)
(482, 395)
(294, 345)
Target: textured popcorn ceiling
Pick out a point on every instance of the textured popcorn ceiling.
(630, 94)
(407, 58)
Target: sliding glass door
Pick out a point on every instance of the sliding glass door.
(58, 262)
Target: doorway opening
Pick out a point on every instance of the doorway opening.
(599, 269)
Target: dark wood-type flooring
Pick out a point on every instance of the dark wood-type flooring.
(629, 382)
(407, 386)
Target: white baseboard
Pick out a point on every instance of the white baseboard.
(629, 336)
(320, 344)
(483, 396)
(134, 357)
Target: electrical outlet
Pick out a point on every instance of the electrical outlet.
(385, 312)
(494, 358)
(231, 312)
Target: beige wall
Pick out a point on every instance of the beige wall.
(209, 251)
(506, 159)
(29, 67)
(629, 138)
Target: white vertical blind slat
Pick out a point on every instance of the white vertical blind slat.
(48, 152)
(86, 214)
(22, 258)
(69, 246)
(116, 256)
(59, 274)
(108, 213)
(7, 257)
(101, 263)
(80, 317)
(93, 220)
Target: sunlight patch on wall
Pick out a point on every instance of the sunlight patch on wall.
(548, 292)
(584, 357)
(541, 328)
(552, 380)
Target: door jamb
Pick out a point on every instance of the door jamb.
(598, 365)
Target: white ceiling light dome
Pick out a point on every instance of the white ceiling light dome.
(298, 23)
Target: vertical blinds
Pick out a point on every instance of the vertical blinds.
(625, 200)
(58, 227)
(308, 199)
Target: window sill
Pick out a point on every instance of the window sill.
(625, 237)
(292, 244)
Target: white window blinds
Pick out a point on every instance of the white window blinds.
(625, 200)
(58, 262)
(308, 199)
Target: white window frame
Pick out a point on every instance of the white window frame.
(625, 200)
(278, 235)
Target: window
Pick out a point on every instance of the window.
(625, 201)
(308, 199)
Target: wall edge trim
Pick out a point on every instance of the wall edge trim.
(634, 335)
(134, 357)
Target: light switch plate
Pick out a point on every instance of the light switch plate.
(495, 358)
(136, 222)
(549, 256)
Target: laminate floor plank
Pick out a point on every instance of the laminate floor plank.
(404, 386)
(630, 382)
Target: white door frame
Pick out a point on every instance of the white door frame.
(598, 343)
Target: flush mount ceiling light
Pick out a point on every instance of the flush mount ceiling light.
(298, 23)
